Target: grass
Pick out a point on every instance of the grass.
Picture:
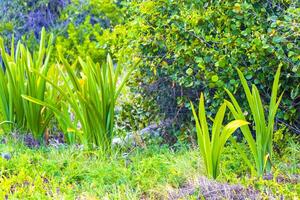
(69, 172)
(285, 179)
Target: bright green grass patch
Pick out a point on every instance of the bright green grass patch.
(284, 181)
(71, 173)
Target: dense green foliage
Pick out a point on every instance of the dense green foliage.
(89, 29)
(186, 47)
(191, 46)
(64, 90)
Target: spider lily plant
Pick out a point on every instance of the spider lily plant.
(11, 77)
(17, 78)
(91, 98)
(261, 145)
(212, 146)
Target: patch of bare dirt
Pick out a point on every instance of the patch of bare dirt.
(213, 190)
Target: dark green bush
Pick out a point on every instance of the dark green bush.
(195, 45)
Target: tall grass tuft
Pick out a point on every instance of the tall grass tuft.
(261, 145)
(212, 146)
(91, 98)
(17, 78)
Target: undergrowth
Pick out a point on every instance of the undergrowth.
(151, 172)
(69, 173)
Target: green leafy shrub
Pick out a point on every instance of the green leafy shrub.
(133, 111)
(262, 145)
(212, 146)
(17, 78)
(196, 45)
(90, 29)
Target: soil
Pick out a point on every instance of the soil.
(204, 188)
